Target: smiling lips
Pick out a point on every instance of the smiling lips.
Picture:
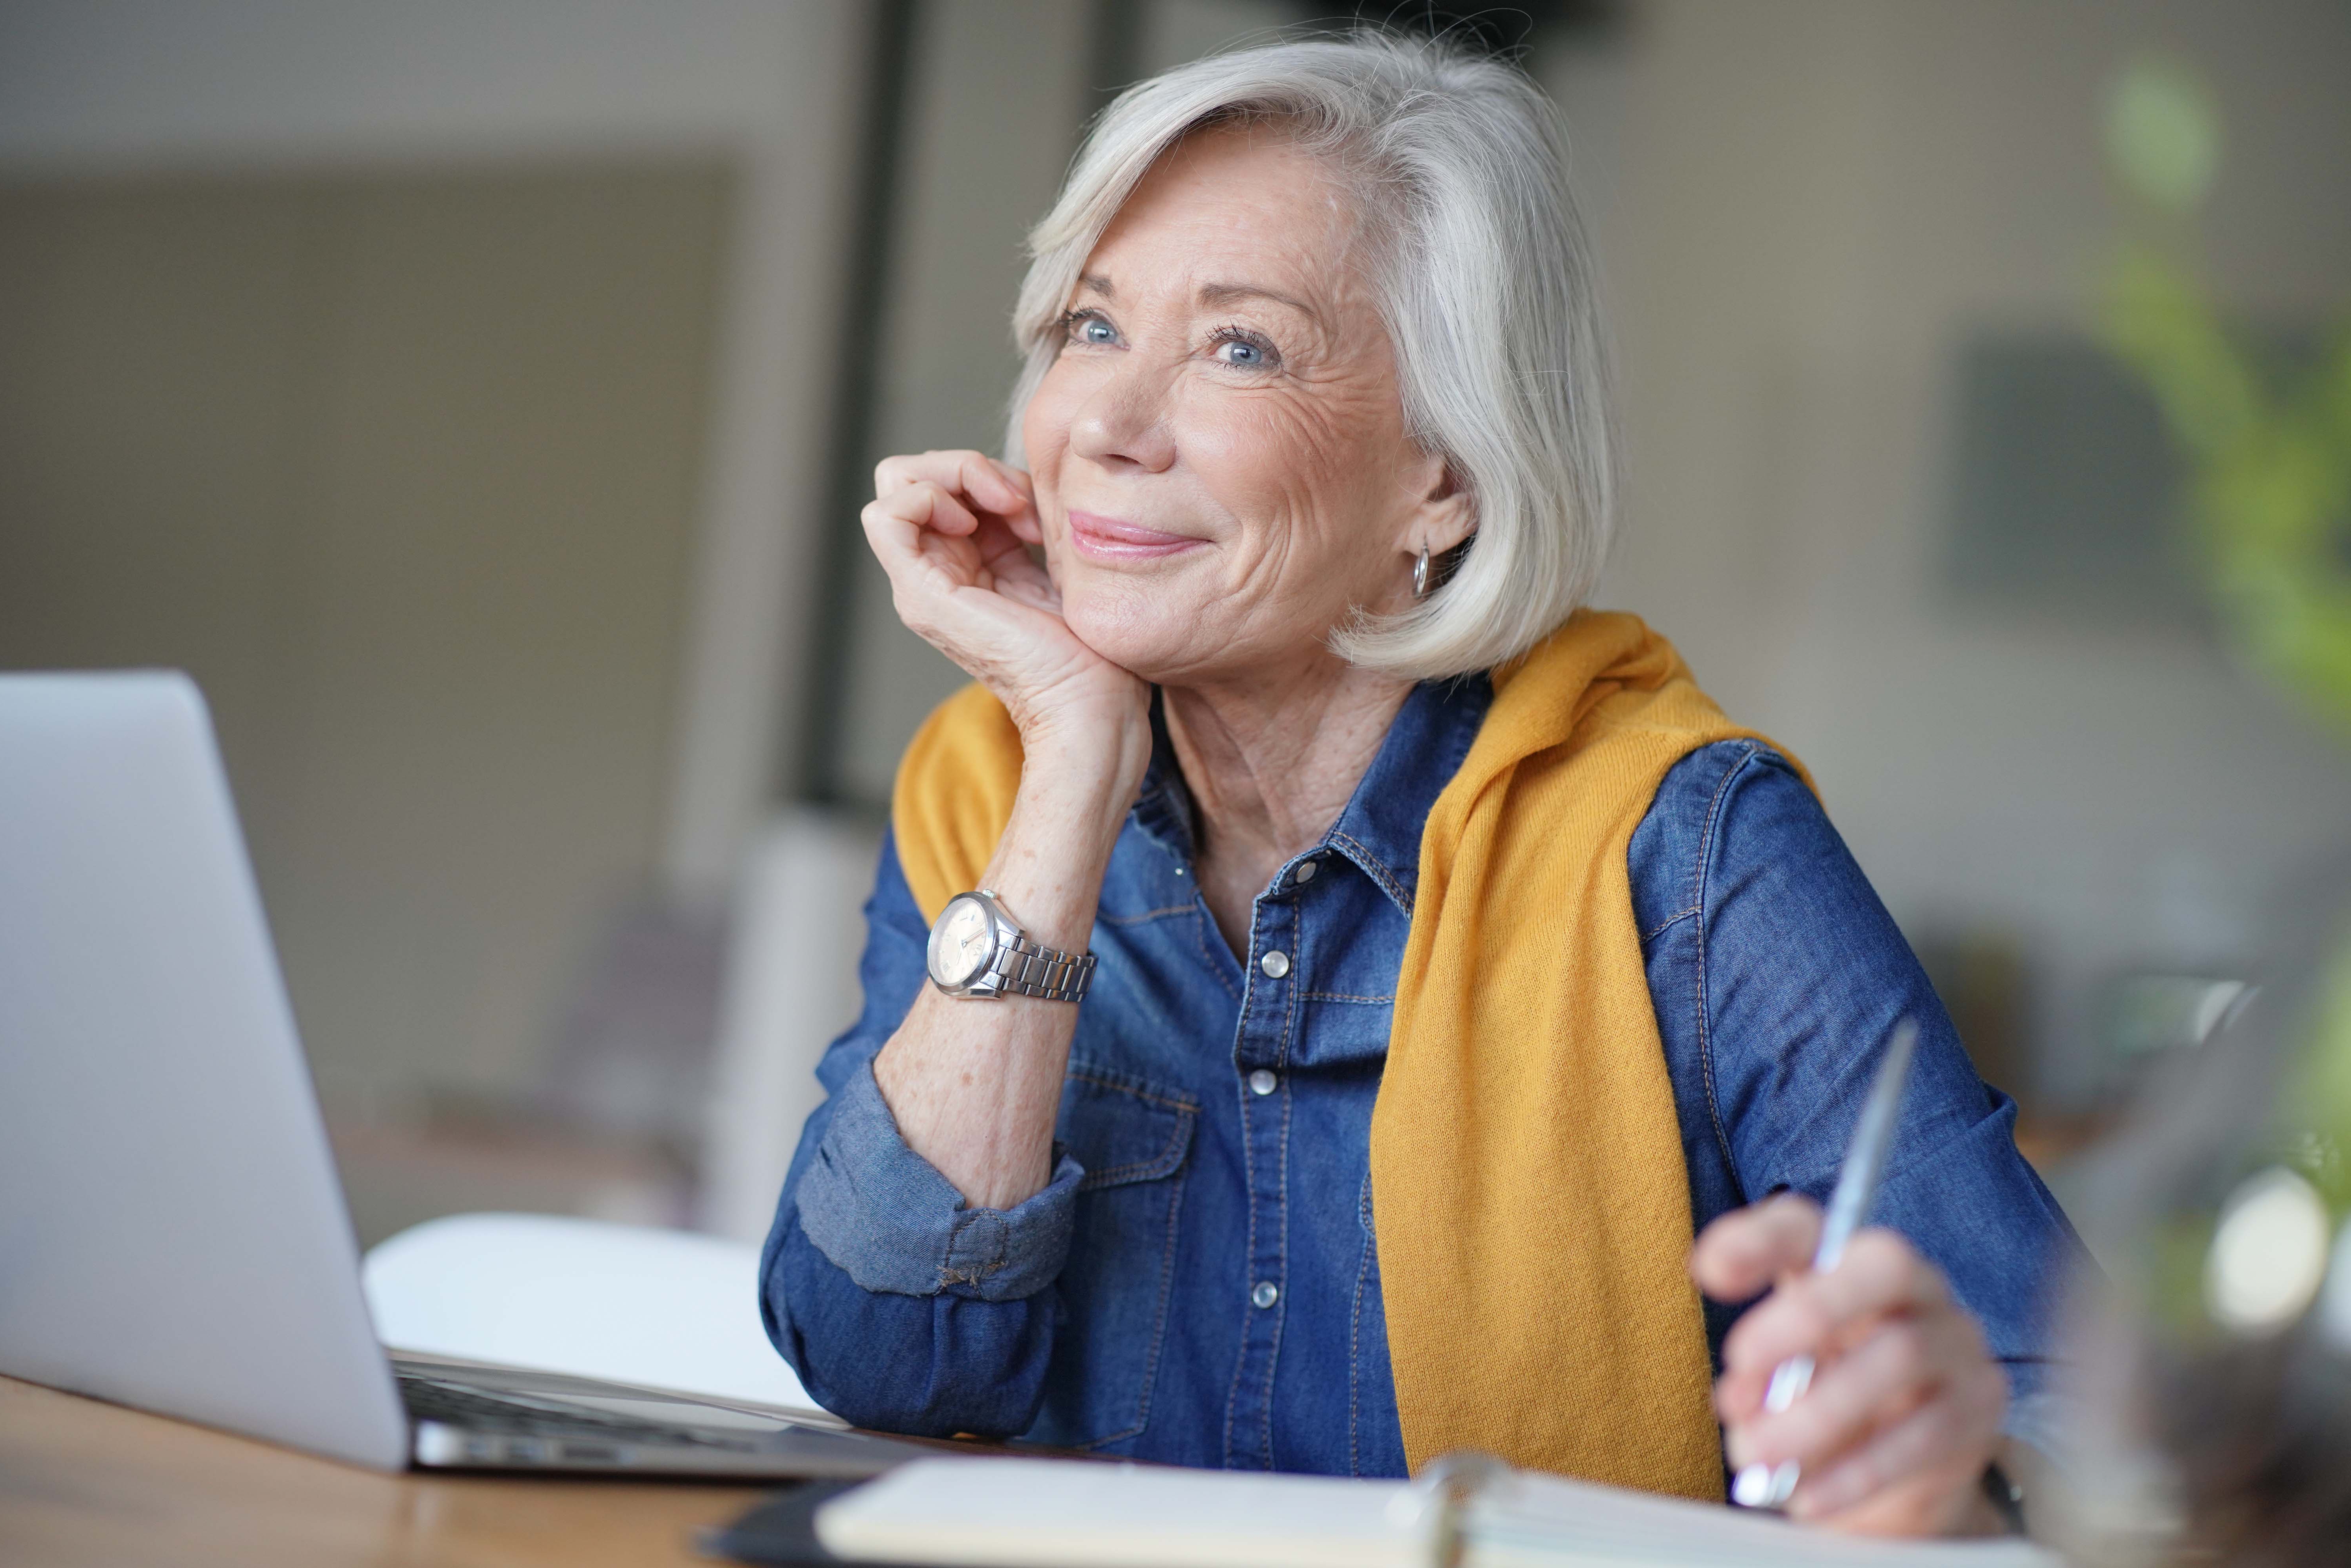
(1107, 539)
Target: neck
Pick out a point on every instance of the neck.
(1270, 764)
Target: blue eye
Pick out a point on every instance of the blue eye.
(1244, 350)
(1094, 329)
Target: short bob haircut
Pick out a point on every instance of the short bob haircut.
(1458, 164)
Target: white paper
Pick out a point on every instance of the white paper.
(1060, 1513)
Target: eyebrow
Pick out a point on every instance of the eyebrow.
(1229, 293)
(1216, 294)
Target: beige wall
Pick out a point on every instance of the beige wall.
(403, 467)
(1818, 202)
(764, 90)
(768, 87)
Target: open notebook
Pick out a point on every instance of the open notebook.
(1047, 1513)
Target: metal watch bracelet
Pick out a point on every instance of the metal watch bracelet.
(1023, 966)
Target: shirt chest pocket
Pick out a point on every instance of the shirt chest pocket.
(1132, 1137)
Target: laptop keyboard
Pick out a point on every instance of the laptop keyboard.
(523, 1415)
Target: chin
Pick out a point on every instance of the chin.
(1159, 632)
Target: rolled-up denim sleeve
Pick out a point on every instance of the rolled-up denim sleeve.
(902, 1308)
(882, 1215)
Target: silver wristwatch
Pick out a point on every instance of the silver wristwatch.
(979, 951)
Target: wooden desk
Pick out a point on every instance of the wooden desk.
(83, 1482)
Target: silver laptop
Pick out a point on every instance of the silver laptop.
(171, 1232)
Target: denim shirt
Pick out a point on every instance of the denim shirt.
(1199, 1284)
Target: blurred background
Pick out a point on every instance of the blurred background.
(476, 397)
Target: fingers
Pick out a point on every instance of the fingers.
(1739, 1255)
(922, 537)
(952, 530)
(924, 504)
(1897, 1366)
(961, 583)
(1906, 1405)
(1913, 1474)
(1808, 1313)
(990, 487)
(961, 495)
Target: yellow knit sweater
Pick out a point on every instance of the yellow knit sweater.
(1530, 1197)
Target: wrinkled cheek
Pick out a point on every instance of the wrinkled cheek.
(1266, 461)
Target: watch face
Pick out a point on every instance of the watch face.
(962, 942)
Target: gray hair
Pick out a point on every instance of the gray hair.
(1484, 283)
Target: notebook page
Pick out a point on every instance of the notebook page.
(1544, 1521)
(1053, 1513)
(1057, 1513)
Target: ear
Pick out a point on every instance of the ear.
(1444, 512)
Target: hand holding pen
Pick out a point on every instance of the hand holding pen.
(1888, 1405)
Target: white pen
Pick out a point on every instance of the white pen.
(1770, 1486)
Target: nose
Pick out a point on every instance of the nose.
(1124, 422)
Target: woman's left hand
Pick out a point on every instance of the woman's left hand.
(1905, 1408)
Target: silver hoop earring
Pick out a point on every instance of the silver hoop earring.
(1420, 575)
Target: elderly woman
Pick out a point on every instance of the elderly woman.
(1322, 976)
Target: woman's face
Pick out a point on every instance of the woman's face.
(1219, 453)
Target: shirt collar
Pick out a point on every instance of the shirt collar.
(1380, 830)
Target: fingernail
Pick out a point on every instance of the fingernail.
(1766, 1486)
(1790, 1380)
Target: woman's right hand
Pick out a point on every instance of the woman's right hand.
(975, 1090)
(952, 530)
